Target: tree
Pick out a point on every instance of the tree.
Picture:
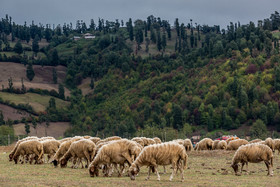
(27, 127)
(52, 104)
(177, 114)
(18, 47)
(30, 72)
(61, 91)
(2, 122)
(91, 82)
(159, 44)
(163, 41)
(277, 78)
(54, 76)
(54, 57)
(34, 124)
(11, 87)
(258, 130)
(23, 89)
(35, 44)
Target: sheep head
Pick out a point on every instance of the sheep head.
(55, 163)
(133, 171)
(235, 167)
(93, 170)
(10, 157)
(63, 163)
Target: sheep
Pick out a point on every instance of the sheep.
(95, 139)
(253, 153)
(138, 140)
(64, 139)
(82, 149)
(17, 144)
(63, 148)
(148, 141)
(115, 152)
(50, 147)
(86, 137)
(204, 144)
(222, 145)
(157, 140)
(160, 154)
(187, 143)
(27, 148)
(46, 138)
(215, 144)
(277, 145)
(235, 144)
(255, 141)
(109, 139)
(270, 143)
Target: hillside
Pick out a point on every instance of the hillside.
(151, 78)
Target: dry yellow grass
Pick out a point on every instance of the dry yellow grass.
(205, 169)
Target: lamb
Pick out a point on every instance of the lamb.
(204, 144)
(81, 149)
(160, 154)
(115, 152)
(215, 144)
(222, 145)
(255, 141)
(50, 147)
(17, 144)
(157, 140)
(253, 153)
(235, 144)
(28, 148)
(63, 148)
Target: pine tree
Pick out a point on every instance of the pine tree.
(18, 47)
(11, 87)
(35, 44)
(23, 89)
(30, 72)
(159, 43)
(27, 127)
(61, 91)
(177, 114)
(34, 124)
(54, 76)
(164, 41)
(2, 122)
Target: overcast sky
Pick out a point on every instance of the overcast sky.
(210, 12)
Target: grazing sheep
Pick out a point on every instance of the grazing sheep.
(277, 145)
(157, 140)
(148, 141)
(204, 144)
(235, 144)
(255, 141)
(95, 139)
(81, 149)
(222, 145)
(187, 143)
(270, 143)
(46, 138)
(215, 144)
(64, 139)
(17, 144)
(28, 148)
(50, 147)
(63, 148)
(138, 140)
(86, 137)
(115, 152)
(253, 153)
(160, 154)
(109, 139)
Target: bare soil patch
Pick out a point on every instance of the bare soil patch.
(12, 113)
(56, 129)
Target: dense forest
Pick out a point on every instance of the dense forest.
(148, 76)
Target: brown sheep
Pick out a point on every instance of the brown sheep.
(115, 152)
(235, 144)
(63, 148)
(187, 143)
(28, 148)
(160, 154)
(253, 153)
(222, 145)
(215, 144)
(255, 141)
(204, 144)
(50, 147)
(270, 143)
(17, 144)
(81, 149)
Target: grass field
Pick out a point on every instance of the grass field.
(205, 169)
(38, 102)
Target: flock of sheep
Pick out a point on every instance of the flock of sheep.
(115, 154)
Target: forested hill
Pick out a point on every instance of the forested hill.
(146, 77)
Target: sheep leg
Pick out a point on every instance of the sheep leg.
(174, 169)
(127, 157)
(164, 170)
(182, 173)
(269, 168)
(158, 177)
(149, 172)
